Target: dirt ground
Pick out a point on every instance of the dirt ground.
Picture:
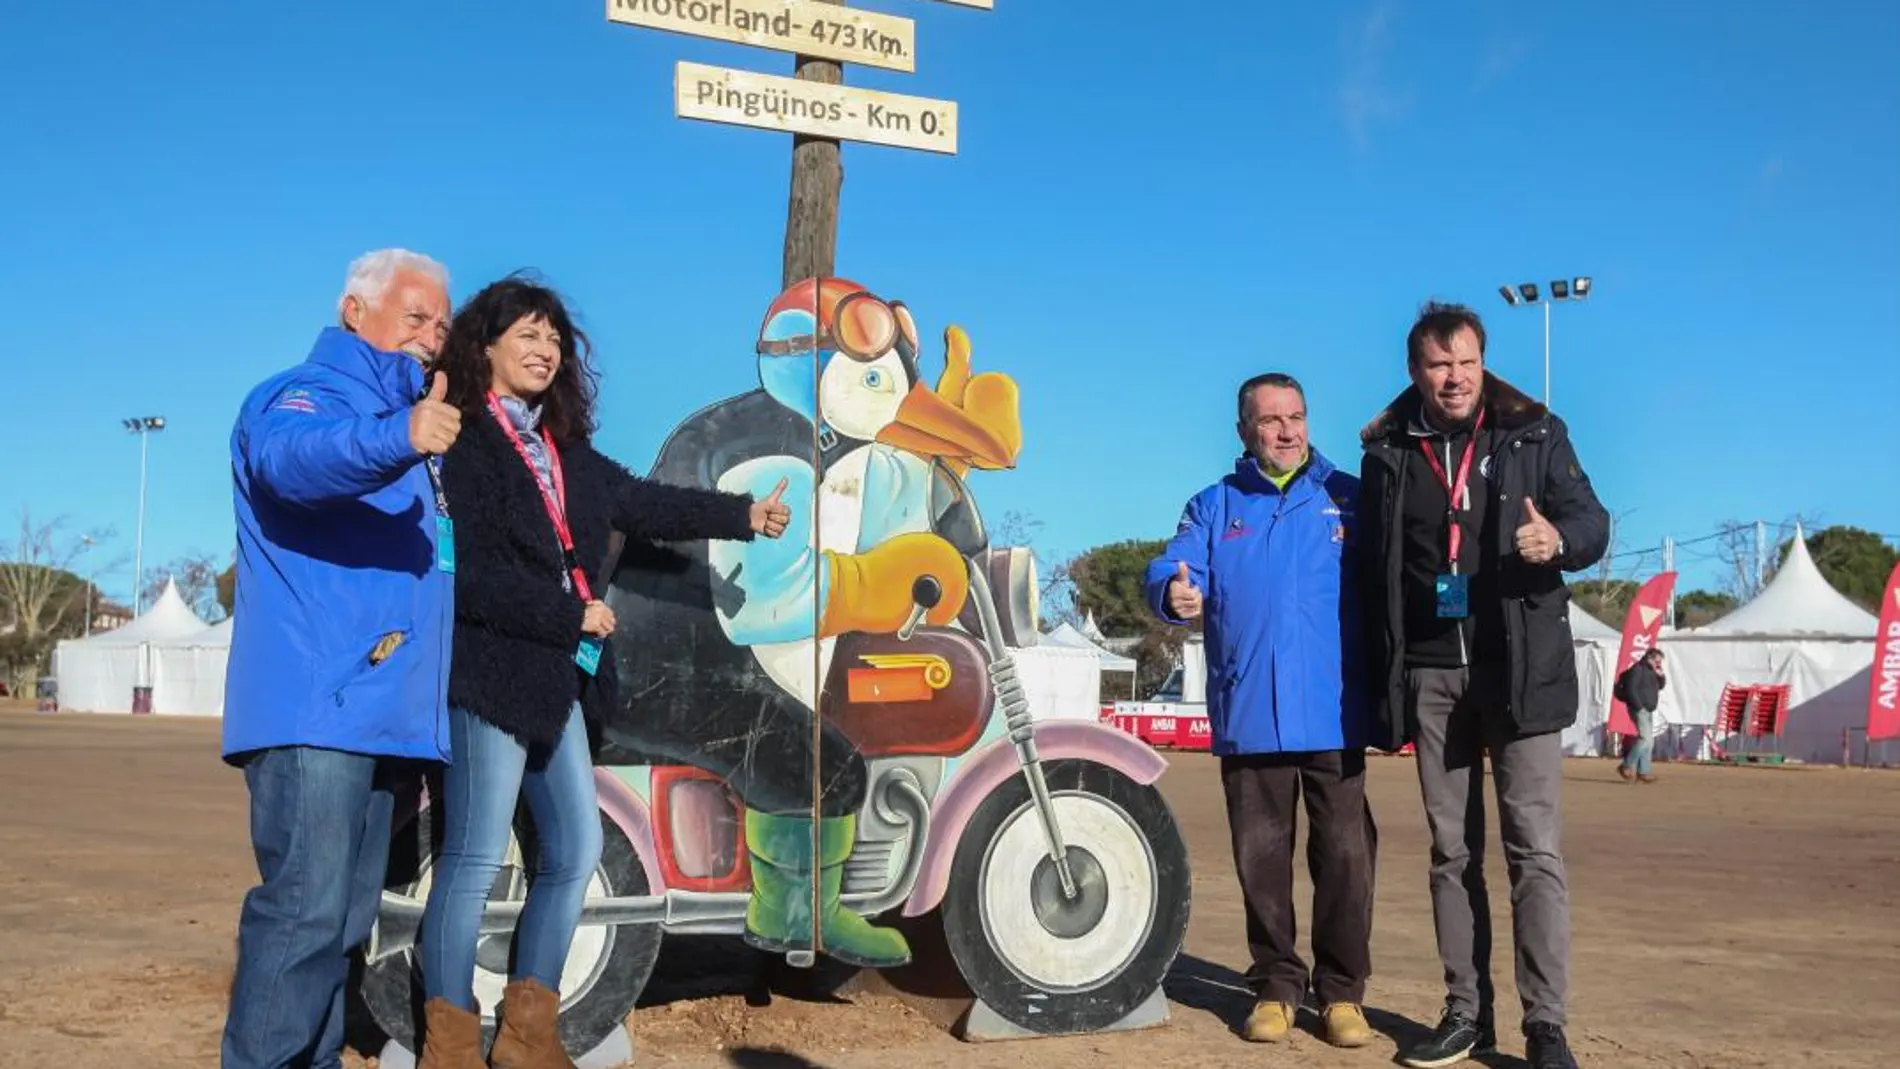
(1723, 917)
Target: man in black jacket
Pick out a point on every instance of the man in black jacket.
(1472, 506)
(1640, 690)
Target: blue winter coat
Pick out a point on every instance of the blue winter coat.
(1280, 608)
(336, 525)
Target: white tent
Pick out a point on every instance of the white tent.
(1066, 636)
(1798, 602)
(98, 674)
(191, 672)
(1595, 644)
(1799, 631)
(1062, 683)
(1587, 628)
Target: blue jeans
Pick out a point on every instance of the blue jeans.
(490, 772)
(1637, 760)
(320, 829)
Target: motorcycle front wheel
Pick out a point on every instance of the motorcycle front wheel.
(606, 967)
(1047, 962)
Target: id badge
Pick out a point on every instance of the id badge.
(1454, 596)
(445, 543)
(588, 655)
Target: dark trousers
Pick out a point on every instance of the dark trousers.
(1460, 717)
(1263, 793)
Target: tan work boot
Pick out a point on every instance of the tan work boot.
(1346, 1025)
(1270, 1022)
(530, 1033)
(451, 1037)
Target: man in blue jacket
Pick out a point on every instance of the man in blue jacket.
(1264, 557)
(339, 644)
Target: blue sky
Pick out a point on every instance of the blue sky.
(1147, 207)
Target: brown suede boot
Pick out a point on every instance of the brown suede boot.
(530, 1034)
(451, 1037)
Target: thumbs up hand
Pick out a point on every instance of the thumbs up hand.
(770, 516)
(433, 422)
(1537, 538)
(1184, 598)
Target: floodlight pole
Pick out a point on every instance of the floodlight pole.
(1546, 354)
(1575, 289)
(143, 427)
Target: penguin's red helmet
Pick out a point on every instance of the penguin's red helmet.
(828, 315)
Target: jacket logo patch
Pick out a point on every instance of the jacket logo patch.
(297, 401)
(1484, 466)
(1234, 530)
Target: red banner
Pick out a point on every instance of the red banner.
(1641, 625)
(1883, 703)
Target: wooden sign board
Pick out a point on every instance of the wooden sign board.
(827, 31)
(767, 102)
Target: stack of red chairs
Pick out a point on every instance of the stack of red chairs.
(1732, 713)
(1771, 710)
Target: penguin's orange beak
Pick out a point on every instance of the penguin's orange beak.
(930, 426)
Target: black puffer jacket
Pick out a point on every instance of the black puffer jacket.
(516, 628)
(1531, 457)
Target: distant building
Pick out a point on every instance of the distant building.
(108, 615)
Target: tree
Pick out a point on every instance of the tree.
(1606, 599)
(227, 589)
(1108, 582)
(1699, 608)
(197, 578)
(1853, 561)
(1054, 591)
(41, 599)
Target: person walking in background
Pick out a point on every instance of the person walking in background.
(339, 644)
(1640, 689)
(1264, 556)
(534, 504)
(1473, 505)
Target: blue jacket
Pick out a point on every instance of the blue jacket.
(336, 525)
(1280, 608)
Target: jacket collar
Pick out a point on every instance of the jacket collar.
(1247, 470)
(394, 377)
(1511, 410)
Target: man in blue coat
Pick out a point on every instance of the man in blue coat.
(339, 644)
(1264, 558)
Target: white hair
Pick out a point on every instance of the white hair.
(371, 273)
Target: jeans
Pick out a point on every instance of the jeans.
(1263, 795)
(1461, 718)
(1637, 759)
(490, 773)
(320, 829)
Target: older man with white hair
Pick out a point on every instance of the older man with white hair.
(339, 644)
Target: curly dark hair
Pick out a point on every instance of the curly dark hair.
(567, 408)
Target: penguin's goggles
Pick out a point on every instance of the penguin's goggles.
(863, 327)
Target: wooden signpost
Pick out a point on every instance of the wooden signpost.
(813, 105)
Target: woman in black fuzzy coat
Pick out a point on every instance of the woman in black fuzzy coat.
(529, 661)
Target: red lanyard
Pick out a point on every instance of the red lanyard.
(556, 502)
(1456, 490)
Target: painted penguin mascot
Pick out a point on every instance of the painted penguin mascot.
(716, 649)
